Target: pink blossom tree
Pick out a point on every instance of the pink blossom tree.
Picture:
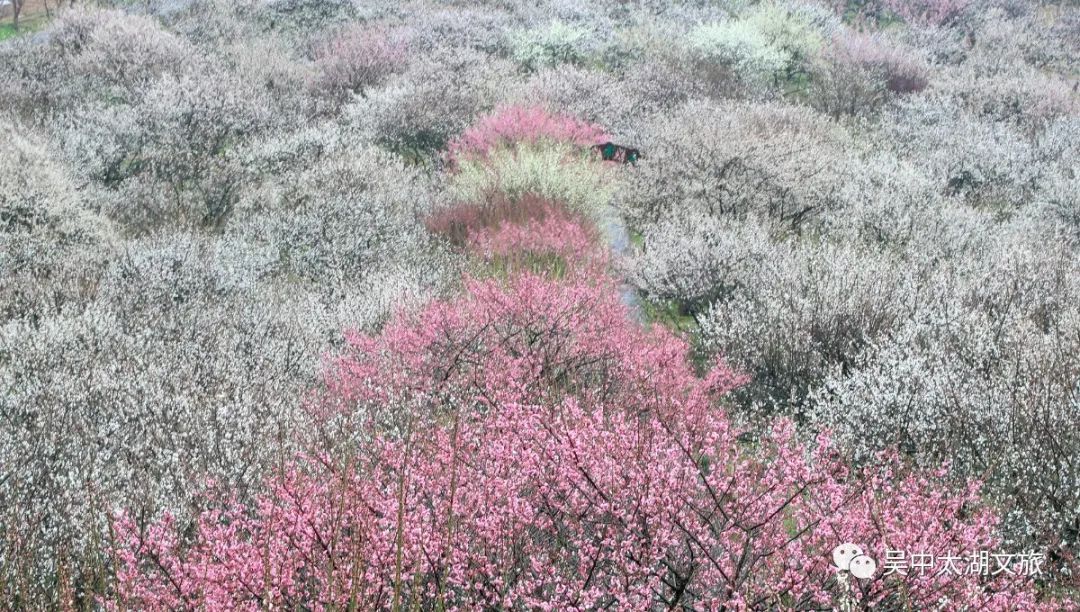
(515, 125)
(527, 445)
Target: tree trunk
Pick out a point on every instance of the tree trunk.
(16, 8)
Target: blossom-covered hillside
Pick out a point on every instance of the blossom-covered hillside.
(337, 304)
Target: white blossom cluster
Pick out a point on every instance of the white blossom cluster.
(737, 160)
(180, 247)
(900, 265)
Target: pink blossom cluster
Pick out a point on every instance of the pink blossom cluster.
(523, 230)
(460, 222)
(512, 125)
(528, 445)
(557, 233)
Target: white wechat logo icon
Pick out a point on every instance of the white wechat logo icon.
(850, 558)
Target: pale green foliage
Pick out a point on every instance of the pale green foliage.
(740, 46)
(554, 172)
(765, 44)
(789, 29)
(555, 43)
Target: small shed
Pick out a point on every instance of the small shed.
(610, 151)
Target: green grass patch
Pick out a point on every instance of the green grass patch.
(669, 314)
(503, 267)
(7, 31)
(26, 26)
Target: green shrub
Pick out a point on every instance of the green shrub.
(740, 47)
(554, 44)
(556, 173)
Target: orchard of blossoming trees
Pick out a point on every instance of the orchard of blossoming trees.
(330, 304)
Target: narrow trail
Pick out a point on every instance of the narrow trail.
(618, 237)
